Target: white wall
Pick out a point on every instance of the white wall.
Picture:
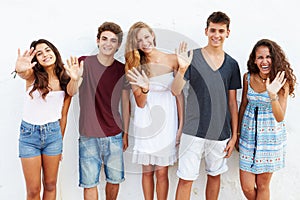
(72, 27)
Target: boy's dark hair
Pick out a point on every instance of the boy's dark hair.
(112, 27)
(218, 17)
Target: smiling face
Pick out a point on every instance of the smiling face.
(263, 60)
(45, 55)
(216, 33)
(145, 40)
(108, 43)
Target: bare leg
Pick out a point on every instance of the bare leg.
(162, 182)
(183, 191)
(91, 193)
(263, 186)
(248, 180)
(148, 182)
(212, 187)
(32, 173)
(50, 170)
(111, 191)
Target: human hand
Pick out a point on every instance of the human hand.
(125, 141)
(178, 137)
(230, 146)
(136, 78)
(73, 68)
(237, 143)
(274, 87)
(23, 62)
(183, 58)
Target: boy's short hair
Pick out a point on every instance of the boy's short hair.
(218, 17)
(112, 27)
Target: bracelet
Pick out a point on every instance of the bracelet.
(144, 92)
(14, 73)
(274, 99)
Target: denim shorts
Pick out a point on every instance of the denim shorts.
(35, 140)
(93, 152)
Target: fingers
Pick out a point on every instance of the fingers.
(33, 64)
(144, 74)
(191, 55)
(19, 52)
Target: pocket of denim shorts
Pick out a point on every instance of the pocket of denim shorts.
(25, 131)
(54, 129)
(117, 138)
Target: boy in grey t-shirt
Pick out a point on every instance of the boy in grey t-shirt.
(211, 110)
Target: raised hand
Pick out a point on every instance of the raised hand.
(274, 87)
(136, 78)
(73, 68)
(23, 62)
(183, 58)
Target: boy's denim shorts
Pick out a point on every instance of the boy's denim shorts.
(36, 140)
(93, 152)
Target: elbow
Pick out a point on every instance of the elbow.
(140, 105)
(279, 119)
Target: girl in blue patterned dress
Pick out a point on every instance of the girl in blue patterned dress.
(266, 86)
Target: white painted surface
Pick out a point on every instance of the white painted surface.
(72, 27)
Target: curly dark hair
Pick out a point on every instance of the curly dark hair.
(279, 62)
(41, 81)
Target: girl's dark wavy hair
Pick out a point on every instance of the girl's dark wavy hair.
(279, 62)
(41, 77)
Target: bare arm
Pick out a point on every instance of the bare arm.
(184, 60)
(125, 116)
(233, 109)
(243, 105)
(278, 91)
(64, 114)
(24, 66)
(140, 86)
(75, 71)
(180, 110)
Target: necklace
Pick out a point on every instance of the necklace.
(263, 79)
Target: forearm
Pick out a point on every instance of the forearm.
(63, 124)
(73, 86)
(140, 96)
(125, 110)
(180, 110)
(178, 83)
(278, 106)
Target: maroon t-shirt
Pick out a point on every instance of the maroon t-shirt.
(99, 97)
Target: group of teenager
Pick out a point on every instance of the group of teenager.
(168, 125)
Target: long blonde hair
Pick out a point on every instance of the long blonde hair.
(134, 57)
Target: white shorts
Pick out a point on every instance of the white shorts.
(191, 151)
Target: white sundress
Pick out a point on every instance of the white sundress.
(156, 125)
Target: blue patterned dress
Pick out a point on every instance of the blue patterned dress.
(263, 139)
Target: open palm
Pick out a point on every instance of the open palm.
(73, 68)
(23, 62)
(137, 78)
(184, 58)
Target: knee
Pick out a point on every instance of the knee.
(184, 183)
(247, 188)
(262, 186)
(33, 192)
(148, 174)
(161, 175)
(50, 186)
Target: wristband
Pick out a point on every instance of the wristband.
(144, 92)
